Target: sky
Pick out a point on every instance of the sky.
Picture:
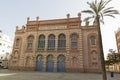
(15, 12)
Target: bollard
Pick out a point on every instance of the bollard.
(112, 74)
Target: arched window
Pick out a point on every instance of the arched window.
(61, 41)
(41, 42)
(51, 42)
(74, 36)
(61, 63)
(92, 40)
(50, 63)
(61, 58)
(31, 37)
(17, 42)
(74, 40)
(39, 64)
(30, 41)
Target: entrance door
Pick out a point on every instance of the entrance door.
(50, 64)
(61, 64)
(39, 63)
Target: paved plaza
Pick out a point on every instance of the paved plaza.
(34, 75)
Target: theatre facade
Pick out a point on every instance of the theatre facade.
(57, 45)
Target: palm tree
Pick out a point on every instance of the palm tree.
(97, 11)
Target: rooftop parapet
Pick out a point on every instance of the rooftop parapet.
(20, 30)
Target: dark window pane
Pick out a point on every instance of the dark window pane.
(74, 36)
(41, 43)
(17, 42)
(30, 37)
(74, 44)
(62, 41)
(92, 40)
(29, 45)
(51, 42)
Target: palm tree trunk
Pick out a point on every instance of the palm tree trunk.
(101, 49)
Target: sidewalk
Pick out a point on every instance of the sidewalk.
(33, 75)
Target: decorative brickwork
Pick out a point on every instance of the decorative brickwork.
(70, 52)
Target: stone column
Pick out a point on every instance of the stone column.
(67, 42)
(46, 42)
(56, 42)
(55, 64)
(44, 63)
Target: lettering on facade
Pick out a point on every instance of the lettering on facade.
(72, 27)
(51, 27)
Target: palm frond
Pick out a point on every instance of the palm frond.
(98, 8)
(95, 1)
(102, 21)
(93, 7)
(103, 4)
(106, 2)
(107, 9)
(110, 15)
(111, 12)
(88, 18)
(102, 16)
(100, 5)
(88, 11)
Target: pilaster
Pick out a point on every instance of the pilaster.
(44, 63)
(55, 64)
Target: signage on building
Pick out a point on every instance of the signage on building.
(51, 27)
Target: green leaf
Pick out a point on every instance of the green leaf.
(88, 11)
(98, 8)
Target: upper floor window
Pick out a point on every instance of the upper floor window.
(74, 36)
(74, 44)
(41, 42)
(61, 41)
(51, 42)
(92, 40)
(30, 41)
(31, 37)
(29, 45)
(17, 42)
(74, 40)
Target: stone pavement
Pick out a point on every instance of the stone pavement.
(34, 75)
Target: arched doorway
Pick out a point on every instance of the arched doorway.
(50, 64)
(39, 63)
(61, 64)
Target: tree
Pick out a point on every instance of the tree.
(7, 54)
(97, 11)
(113, 58)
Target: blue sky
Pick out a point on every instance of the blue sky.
(15, 12)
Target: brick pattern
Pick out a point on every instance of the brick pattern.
(76, 60)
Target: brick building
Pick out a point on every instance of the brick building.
(117, 35)
(56, 45)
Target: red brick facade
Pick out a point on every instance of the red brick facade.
(78, 47)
